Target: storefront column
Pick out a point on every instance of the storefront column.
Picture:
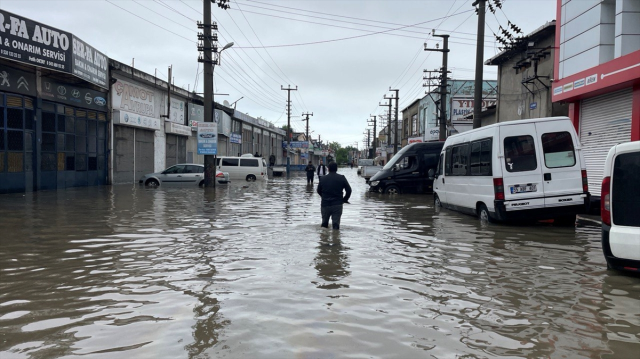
(574, 115)
(635, 114)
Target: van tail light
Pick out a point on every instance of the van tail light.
(498, 189)
(605, 201)
(220, 174)
(585, 182)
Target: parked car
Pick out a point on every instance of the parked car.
(620, 207)
(246, 168)
(181, 174)
(408, 170)
(516, 170)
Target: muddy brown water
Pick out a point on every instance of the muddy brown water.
(245, 271)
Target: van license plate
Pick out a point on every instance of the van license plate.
(523, 188)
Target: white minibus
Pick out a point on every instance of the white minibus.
(517, 170)
(243, 168)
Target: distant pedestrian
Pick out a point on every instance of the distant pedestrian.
(330, 188)
(256, 155)
(351, 164)
(272, 160)
(322, 170)
(311, 170)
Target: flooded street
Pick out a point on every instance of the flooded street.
(245, 271)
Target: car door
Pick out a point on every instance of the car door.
(407, 175)
(172, 175)
(521, 167)
(561, 171)
(193, 174)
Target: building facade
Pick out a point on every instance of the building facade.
(597, 74)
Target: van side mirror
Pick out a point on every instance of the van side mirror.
(431, 173)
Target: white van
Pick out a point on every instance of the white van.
(528, 169)
(620, 207)
(243, 168)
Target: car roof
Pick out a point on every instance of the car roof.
(187, 164)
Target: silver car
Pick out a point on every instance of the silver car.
(181, 174)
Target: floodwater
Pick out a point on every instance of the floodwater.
(245, 271)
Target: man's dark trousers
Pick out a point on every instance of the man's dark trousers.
(333, 212)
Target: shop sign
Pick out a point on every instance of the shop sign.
(89, 64)
(224, 122)
(235, 138)
(533, 106)
(73, 95)
(433, 134)
(414, 139)
(177, 111)
(461, 107)
(176, 129)
(31, 42)
(207, 138)
(136, 105)
(196, 112)
(296, 144)
(22, 82)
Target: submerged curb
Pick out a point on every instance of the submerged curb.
(588, 220)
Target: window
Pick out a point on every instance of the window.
(408, 162)
(481, 158)
(430, 160)
(520, 154)
(558, 150)
(447, 165)
(440, 164)
(230, 162)
(625, 197)
(459, 160)
(175, 169)
(249, 162)
(194, 169)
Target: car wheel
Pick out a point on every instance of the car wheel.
(436, 201)
(251, 178)
(392, 190)
(152, 183)
(483, 214)
(201, 184)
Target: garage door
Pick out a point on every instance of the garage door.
(604, 122)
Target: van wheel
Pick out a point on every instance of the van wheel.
(436, 201)
(483, 214)
(251, 178)
(152, 183)
(392, 190)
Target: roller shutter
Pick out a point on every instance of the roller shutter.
(604, 122)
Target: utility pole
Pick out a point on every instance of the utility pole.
(388, 124)
(395, 127)
(443, 83)
(477, 94)
(288, 89)
(375, 134)
(307, 119)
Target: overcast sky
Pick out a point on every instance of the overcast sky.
(343, 55)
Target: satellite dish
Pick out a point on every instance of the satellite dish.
(226, 103)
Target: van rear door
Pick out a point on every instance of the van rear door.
(561, 169)
(521, 167)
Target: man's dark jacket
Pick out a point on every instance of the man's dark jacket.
(330, 189)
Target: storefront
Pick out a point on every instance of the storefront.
(176, 143)
(136, 119)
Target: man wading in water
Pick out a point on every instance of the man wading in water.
(310, 169)
(330, 189)
(322, 170)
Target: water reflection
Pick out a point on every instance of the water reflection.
(332, 260)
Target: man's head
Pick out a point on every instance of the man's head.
(333, 167)
(321, 162)
(309, 162)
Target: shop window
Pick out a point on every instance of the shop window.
(48, 162)
(48, 122)
(60, 141)
(15, 118)
(93, 163)
(1, 139)
(81, 113)
(28, 162)
(70, 143)
(14, 101)
(91, 127)
(91, 144)
(28, 141)
(61, 160)
(48, 142)
(100, 163)
(2, 161)
(101, 130)
(100, 147)
(81, 127)
(15, 161)
(15, 140)
(70, 124)
(81, 144)
(520, 154)
(61, 123)
(28, 119)
(102, 117)
(68, 110)
(70, 162)
(48, 106)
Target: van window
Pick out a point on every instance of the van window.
(430, 160)
(481, 158)
(440, 164)
(447, 163)
(520, 154)
(459, 160)
(249, 162)
(558, 150)
(408, 162)
(625, 197)
(233, 162)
